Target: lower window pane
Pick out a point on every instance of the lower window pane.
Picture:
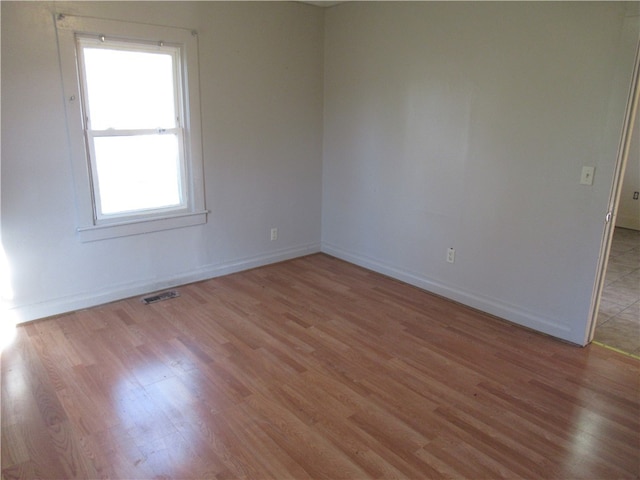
(137, 173)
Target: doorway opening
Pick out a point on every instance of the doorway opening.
(615, 313)
(618, 321)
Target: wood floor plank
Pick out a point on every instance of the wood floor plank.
(311, 368)
(311, 450)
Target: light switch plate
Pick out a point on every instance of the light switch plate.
(587, 176)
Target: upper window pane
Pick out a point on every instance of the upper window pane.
(129, 89)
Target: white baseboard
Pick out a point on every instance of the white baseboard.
(35, 311)
(492, 306)
(628, 222)
(29, 312)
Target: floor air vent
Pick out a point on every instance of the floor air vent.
(160, 296)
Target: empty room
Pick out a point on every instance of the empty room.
(283, 239)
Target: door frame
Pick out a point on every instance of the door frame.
(614, 197)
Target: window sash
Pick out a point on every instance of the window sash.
(99, 215)
(100, 42)
(112, 132)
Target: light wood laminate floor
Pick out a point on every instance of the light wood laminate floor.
(311, 368)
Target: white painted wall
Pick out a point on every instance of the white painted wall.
(443, 124)
(628, 215)
(261, 92)
(465, 125)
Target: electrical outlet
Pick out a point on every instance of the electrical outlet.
(451, 255)
(274, 234)
(635, 195)
(587, 176)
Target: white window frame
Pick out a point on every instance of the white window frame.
(93, 41)
(91, 225)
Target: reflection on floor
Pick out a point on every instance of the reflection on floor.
(618, 323)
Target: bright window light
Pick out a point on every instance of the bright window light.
(7, 321)
(135, 140)
(6, 290)
(139, 172)
(129, 89)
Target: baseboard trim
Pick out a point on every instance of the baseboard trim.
(627, 222)
(492, 306)
(35, 311)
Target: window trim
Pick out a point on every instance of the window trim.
(90, 227)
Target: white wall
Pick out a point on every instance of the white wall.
(465, 125)
(445, 124)
(628, 215)
(261, 92)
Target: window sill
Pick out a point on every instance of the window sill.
(123, 229)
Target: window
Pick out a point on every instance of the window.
(132, 126)
(133, 113)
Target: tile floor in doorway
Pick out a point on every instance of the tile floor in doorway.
(618, 323)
